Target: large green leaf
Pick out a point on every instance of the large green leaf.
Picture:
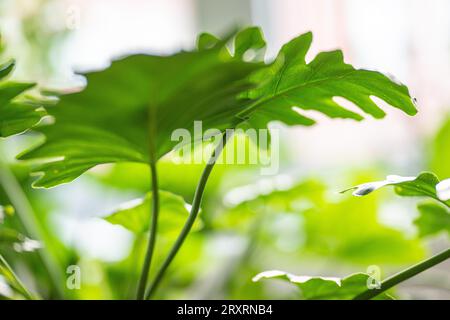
(324, 288)
(17, 113)
(290, 82)
(128, 111)
(134, 215)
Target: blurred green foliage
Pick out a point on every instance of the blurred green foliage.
(439, 161)
(248, 225)
(297, 225)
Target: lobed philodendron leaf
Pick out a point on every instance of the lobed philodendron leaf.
(434, 216)
(134, 215)
(17, 113)
(128, 112)
(324, 288)
(290, 84)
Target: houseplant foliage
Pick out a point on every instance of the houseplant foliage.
(142, 93)
(128, 111)
(434, 218)
(434, 213)
(18, 113)
(323, 288)
(355, 286)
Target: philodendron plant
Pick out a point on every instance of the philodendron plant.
(128, 112)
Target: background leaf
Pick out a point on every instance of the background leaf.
(134, 215)
(10, 236)
(17, 114)
(424, 185)
(323, 288)
(346, 229)
(12, 280)
(439, 152)
(434, 218)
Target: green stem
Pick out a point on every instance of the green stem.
(191, 219)
(14, 280)
(404, 275)
(31, 225)
(152, 236)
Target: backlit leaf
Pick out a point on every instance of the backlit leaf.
(424, 185)
(290, 82)
(323, 288)
(434, 215)
(128, 112)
